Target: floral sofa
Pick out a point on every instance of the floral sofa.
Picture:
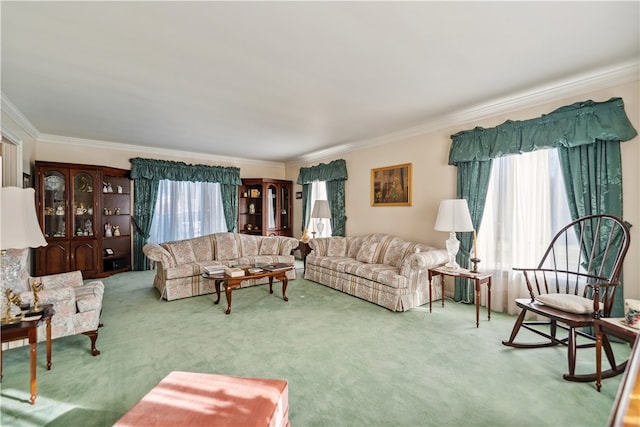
(379, 268)
(180, 264)
(77, 306)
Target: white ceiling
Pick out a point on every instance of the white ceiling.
(280, 80)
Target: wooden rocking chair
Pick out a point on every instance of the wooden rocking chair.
(574, 283)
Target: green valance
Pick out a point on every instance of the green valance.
(335, 170)
(180, 171)
(570, 126)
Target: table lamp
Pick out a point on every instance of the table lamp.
(320, 210)
(19, 230)
(453, 216)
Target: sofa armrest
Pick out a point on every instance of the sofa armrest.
(60, 280)
(421, 261)
(157, 253)
(288, 244)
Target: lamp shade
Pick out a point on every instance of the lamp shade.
(453, 215)
(321, 209)
(19, 223)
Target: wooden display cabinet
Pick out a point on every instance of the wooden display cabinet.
(264, 207)
(69, 200)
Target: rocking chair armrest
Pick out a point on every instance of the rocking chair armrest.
(595, 287)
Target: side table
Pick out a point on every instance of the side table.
(305, 250)
(478, 278)
(614, 326)
(29, 329)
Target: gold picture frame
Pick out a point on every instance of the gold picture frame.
(391, 185)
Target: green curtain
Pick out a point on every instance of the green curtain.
(593, 181)
(147, 174)
(334, 174)
(575, 128)
(473, 182)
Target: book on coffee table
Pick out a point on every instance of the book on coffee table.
(277, 266)
(233, 271)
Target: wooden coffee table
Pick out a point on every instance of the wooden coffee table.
(231, 283)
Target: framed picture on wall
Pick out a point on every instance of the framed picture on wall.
(391, 186)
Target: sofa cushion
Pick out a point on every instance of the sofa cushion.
(567, 302)
(337, 247)
(396, 250)
(226, 246)
(249, 244)
(269, 246)
(181, 251)
(202, 248)
(368, 253)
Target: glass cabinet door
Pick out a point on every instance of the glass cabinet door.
(284, 207)
(271, 206)
(55, 209)
(83, 215)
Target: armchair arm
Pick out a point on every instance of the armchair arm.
(601, 292)
(157, 253)
(63, 299)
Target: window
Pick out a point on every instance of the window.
(525, 207)
(185, 210)
(319, 192)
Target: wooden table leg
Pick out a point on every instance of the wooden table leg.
(598, 332)
(33, 358)
(442, 289)
(489, 299)
(48, 323)
(430, 277)
(217, 285)
(227, 292)
(477, 283)
(285, 282)
(270, 284)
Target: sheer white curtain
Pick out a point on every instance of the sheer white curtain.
(526, 205)
(187, 209)
(271, 208)
(319, 192)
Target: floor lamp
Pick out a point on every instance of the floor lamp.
(453, 216)
(320, 210)
(19, 230)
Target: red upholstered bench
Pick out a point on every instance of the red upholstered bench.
(194, 399)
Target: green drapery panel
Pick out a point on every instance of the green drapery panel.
(593, 181)
(334, 174)
(581, 128)
(147, 174)
(473, 182)
(571, 126)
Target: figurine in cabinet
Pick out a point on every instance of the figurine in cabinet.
(108, 230)
(116, 230)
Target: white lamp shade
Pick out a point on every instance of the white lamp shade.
(453, 215)
(19, 223)
(321, 209)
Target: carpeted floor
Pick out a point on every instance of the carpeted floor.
(348, 362)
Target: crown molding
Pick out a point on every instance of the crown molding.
(16, 115)
(137, 149)
(596, 80)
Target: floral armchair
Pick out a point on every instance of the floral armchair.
(77, 305)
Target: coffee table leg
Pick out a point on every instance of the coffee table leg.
(285, 282)
(227, 292)
(270, 284)
(217, 285)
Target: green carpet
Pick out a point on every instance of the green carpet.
(348, 362)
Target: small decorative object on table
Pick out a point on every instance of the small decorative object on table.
(475, 262)
(36, 287)
(9, 320)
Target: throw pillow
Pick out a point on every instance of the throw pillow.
(269, 246)
(226, 246)
(368, 253)
(337, 246)
(567, 302)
